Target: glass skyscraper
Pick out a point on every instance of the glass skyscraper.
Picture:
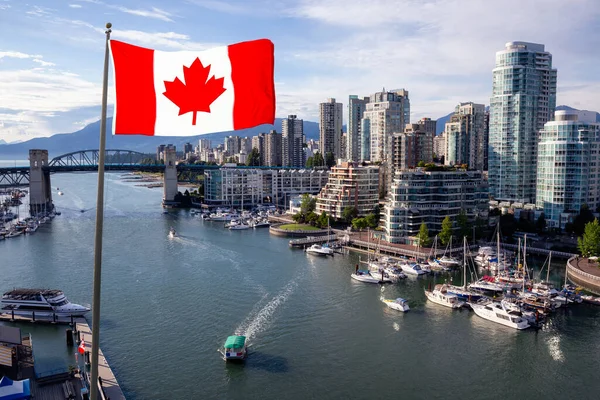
(568, 167)
(523, 100)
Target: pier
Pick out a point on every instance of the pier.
(314, 240)
(584, 273)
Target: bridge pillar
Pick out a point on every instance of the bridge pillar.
(170, 178)
(40, 188)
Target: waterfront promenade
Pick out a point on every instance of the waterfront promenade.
(585, 273)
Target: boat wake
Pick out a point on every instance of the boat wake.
(258, 322)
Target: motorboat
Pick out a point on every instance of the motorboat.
(499, 313)
(261, 224)
(239, 227)
(235, 348)
(320, 250)
(399, 304)
(60, 193)
(13, 233)
(44, 302)
(172, 233)
(439, 295)
(591, 299)
(412, 269)
(486, 285)
(394, 273)
(449, 262)
(364, 276)
(381, 276)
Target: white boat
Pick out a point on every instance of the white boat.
(239, 227)
(382, 277)
(399, 304)
(44, 302)
(172, 233)
(364, 276)
(484, 286)
(499, 313)
(394, 273)
(319, 250)
(440, 295)
(13, 233)
(60, 193)
(261, 224)
(412, 269)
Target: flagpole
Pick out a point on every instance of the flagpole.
(99, 226)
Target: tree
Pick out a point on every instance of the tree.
(541, 223)
(423, 236)
(377, 212)
(329, 159)
(463, 224)
(310, 162)
(446, 232)
(372, 221)
(318, 160)
(421, 164)
(307, 204)
(253, 159)
(359, 223)
(349, 213)
(323, 220)
(585, 215)
(589, 243)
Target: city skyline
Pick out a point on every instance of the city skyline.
(50, 71)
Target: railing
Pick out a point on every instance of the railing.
(577, 271)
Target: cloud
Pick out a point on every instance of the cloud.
(220, 6)
(158, 40)
(154, 12)
(75, 5)
(40, 11)
(16, 54)
(44, 63)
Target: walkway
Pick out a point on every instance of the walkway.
(585, 273)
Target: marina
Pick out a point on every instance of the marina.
(156, 288)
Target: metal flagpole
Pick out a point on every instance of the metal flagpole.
(99, 226)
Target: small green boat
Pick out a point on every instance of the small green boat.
(235, 348)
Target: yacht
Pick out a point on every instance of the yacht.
(44, 302)
(412, 269)
(172, 233)
(364, 276)
(13, 233)
(399, 304)
(235, 348)
(60, 193)
(319, 250)
(440, 295)
(381, 276)
(239, 227)
(261, 224)
(499, 313)
(449, 262)
(394, 273)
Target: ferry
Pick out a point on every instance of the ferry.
(44, 302)
(235, 348)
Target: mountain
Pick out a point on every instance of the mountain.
(3, 142)
(88, 137)
(567, 108)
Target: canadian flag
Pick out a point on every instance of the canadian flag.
(81, 347)
(187, 93)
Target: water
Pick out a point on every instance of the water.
(168, 305)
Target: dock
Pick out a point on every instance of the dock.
(313, 240)
(109, 388)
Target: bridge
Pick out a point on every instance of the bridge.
(37, 174)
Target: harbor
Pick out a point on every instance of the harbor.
(156, 288)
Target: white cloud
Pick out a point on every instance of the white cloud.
(220, 6)
(40, 11)
(160, 40)
(43, 63)
(154, 12)
(16, 54)
(75, 5)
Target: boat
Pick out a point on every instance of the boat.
(235, 348)
(44, 302)
(591, 299)
(239, 227)
(60, 193)
(399, 304)
(319, 250)
(440, 295)
(461, 291)
(13, 233)
(499, 313)
(261, 224)
(172, 233)
(394, 273)
(364, 276)
(412, 269)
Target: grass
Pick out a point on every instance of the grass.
(298, 227)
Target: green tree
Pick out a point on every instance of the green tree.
(463, 224)
(359, 223)
(311, 218)
(585, 215)
(372, 221)
(377, 212)
(446, 232)
(589, 243)
(318, 160)
(323, 220)
(253, 158)
(307, 203)
(349, 213)
(423, 236)
(421, 164)
(310, 162)
(329, 159)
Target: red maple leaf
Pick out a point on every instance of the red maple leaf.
(197, 93)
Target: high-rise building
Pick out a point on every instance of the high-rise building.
(232, 145)
(292, 142)
(258, 143)
(439, 146)
(204, 144)
(410, 147)
(387, 112)
(568, 171)
(466, 136)
(188, 148)
(245, 145)
(330, 128)
(523, 100)
(272, 149)
(160, 149)
(365, 139)
(356, 107)
(427, 125)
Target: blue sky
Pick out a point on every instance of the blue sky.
(442, 51)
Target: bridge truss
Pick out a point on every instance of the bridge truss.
(87, 158)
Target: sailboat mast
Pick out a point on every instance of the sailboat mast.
(519, 253)
(465, 263)
(548, 272)
(498, 249)
(524, 260)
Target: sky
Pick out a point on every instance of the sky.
(441, 51)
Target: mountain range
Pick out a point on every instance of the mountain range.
(87, 138)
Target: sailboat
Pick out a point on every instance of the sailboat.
(321, 250)
(461, 291)
(448, 261)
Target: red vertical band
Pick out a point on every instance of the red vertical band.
(135, 108)
(252, 66)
